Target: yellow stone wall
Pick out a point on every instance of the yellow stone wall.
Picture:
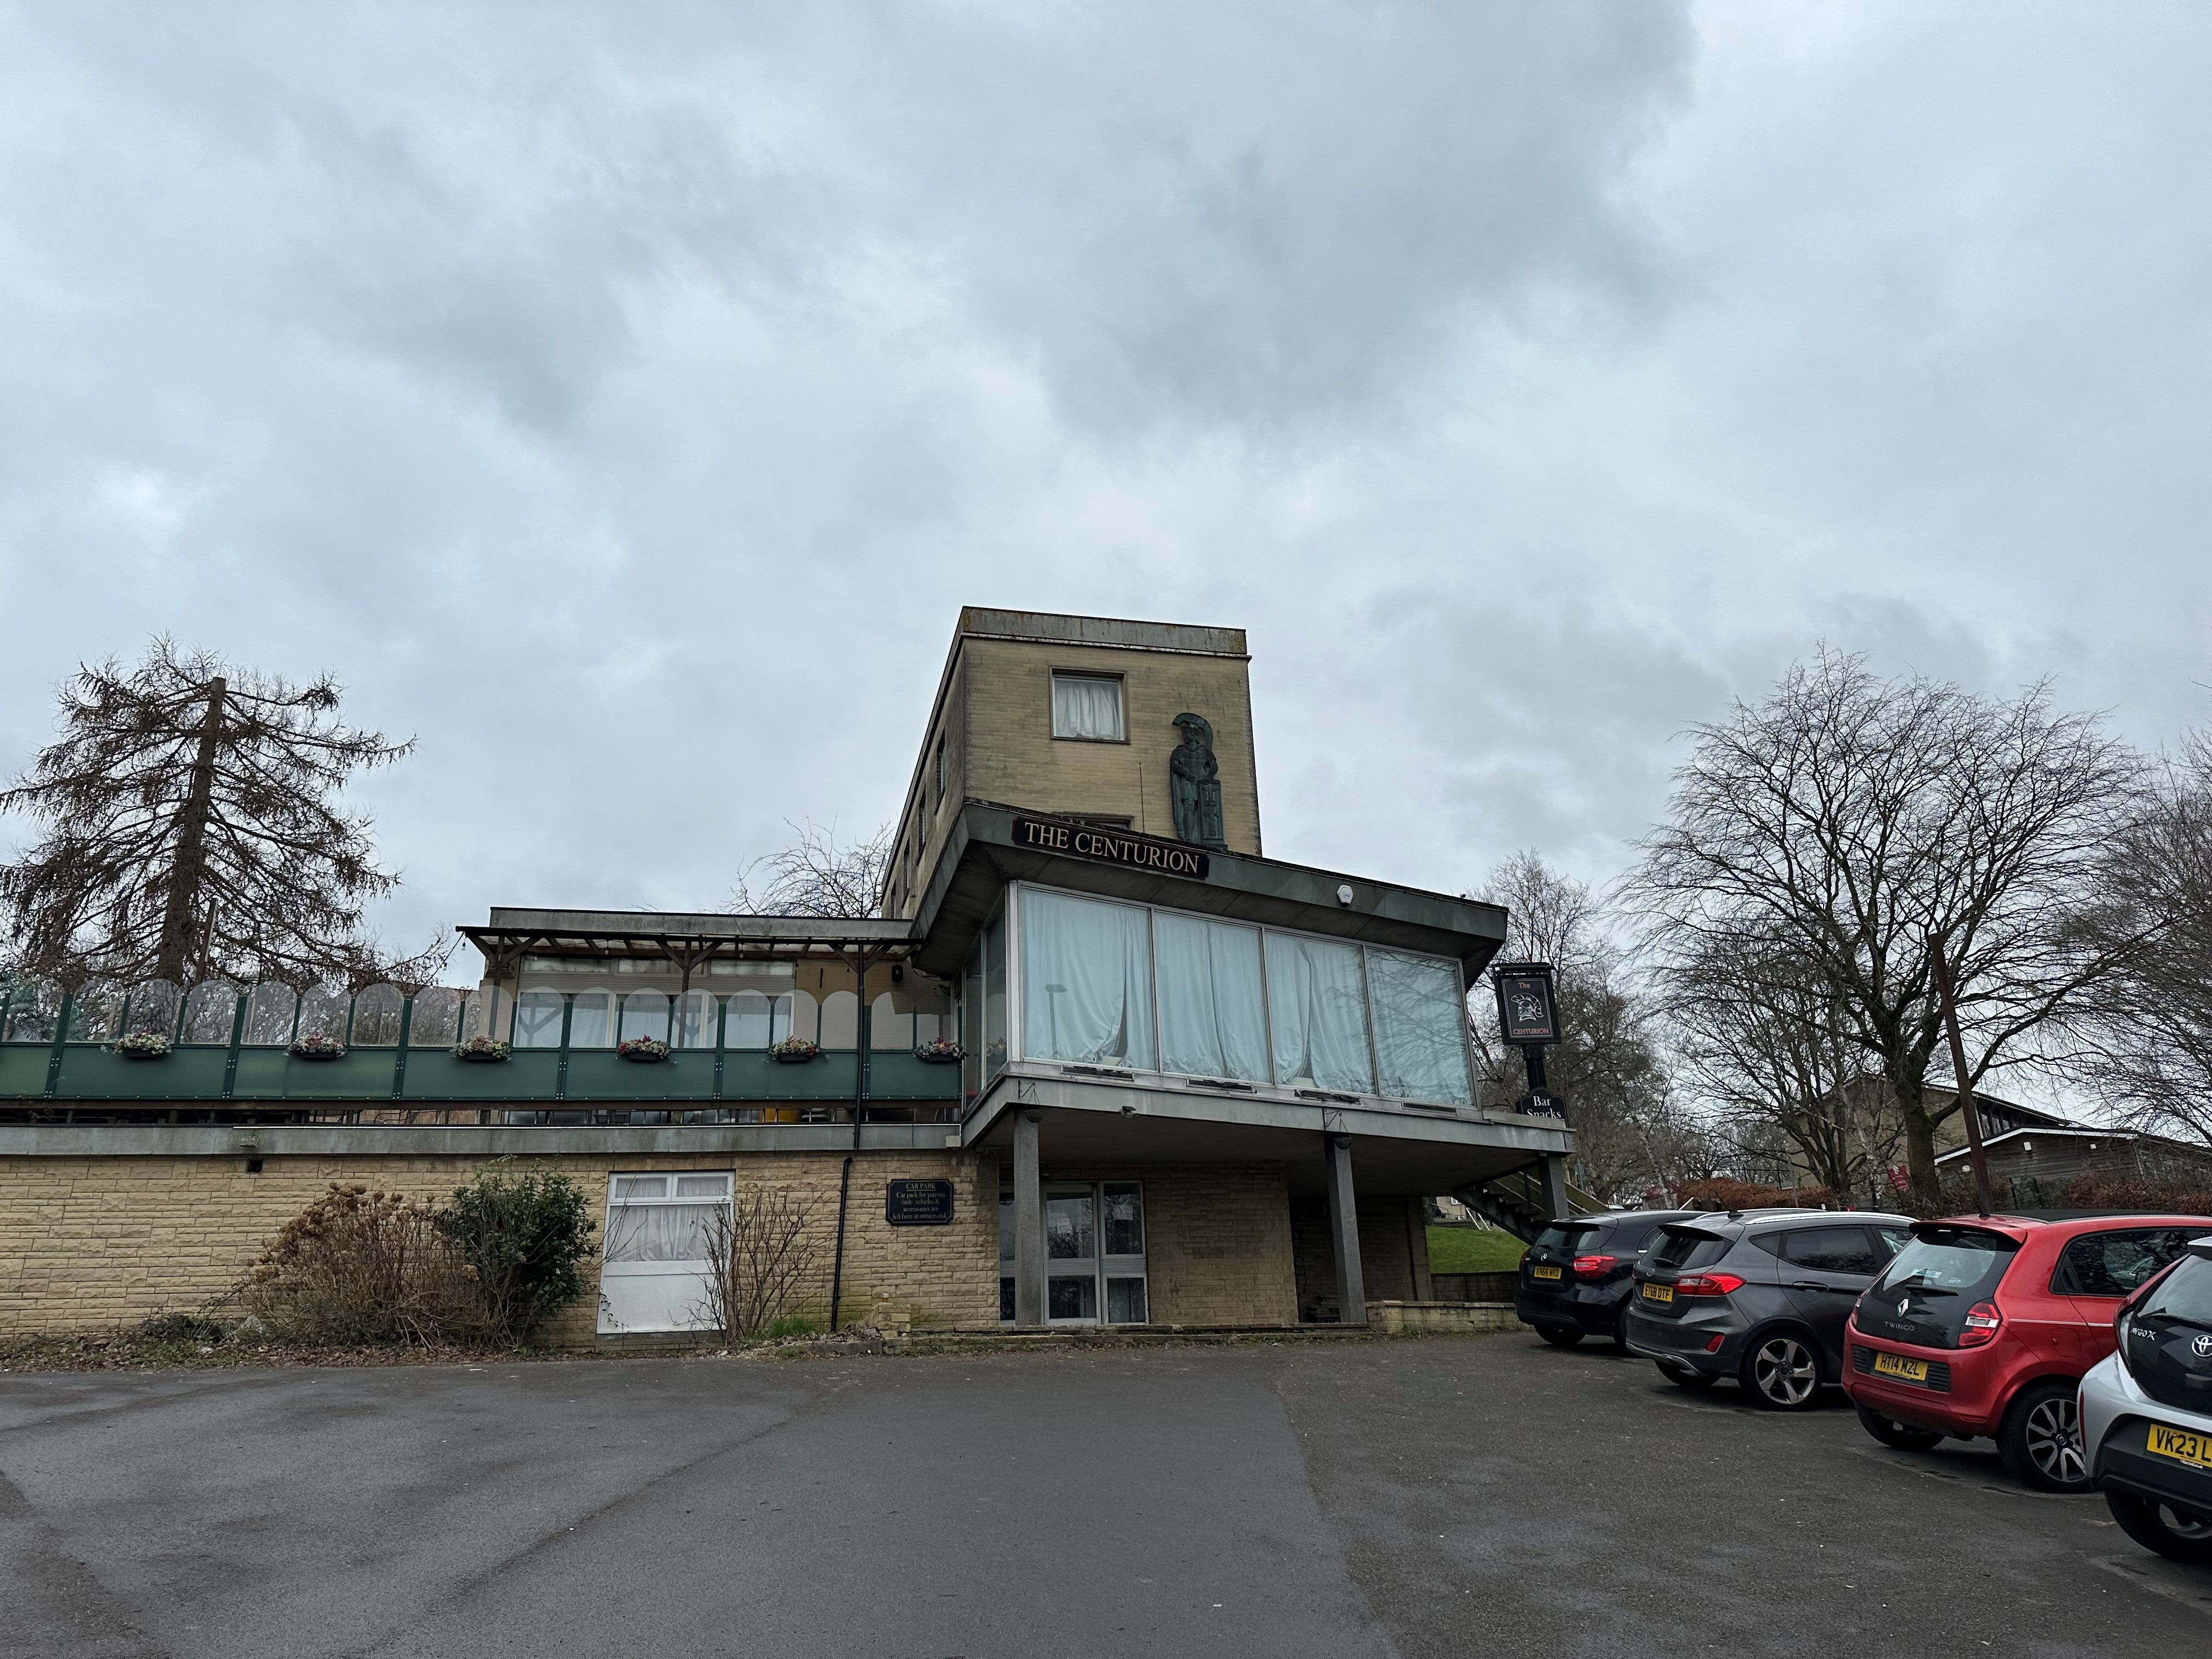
(89, 1244)
(996, 720)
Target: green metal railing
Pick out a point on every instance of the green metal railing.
(60, 1070)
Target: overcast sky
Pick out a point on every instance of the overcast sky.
(623, 399)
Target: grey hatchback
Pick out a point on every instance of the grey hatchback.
(1758, 1295)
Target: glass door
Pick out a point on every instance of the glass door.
(1094, 1240)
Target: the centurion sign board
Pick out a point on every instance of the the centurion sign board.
(1085, 840)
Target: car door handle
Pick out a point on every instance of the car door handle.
(1807, 1285)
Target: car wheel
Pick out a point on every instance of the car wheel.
(2157, 1528)
(1781, 1373)
(2040, 1439)
(1682, 1377)
(1902, 1436)
(1559, 1336)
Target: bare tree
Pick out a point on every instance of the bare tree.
(1848, 820)
(2153, 1015)
(817, 875)
(763, 1261)
(190, 830)
(1607, 1066)
(1761, 1035)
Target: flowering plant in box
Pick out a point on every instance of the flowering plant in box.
(793, 1050)
(940, 1051)
(646, 1050)
(481, 1048)
(143, 1045)
(317, 1045)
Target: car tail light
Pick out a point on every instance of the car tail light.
(1593, 1267)
(1707, 1284)
(1983, 1322)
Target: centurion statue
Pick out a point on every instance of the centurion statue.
(1194, 784)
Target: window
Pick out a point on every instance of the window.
(537, 1019)
(2112, 1264)
(644, 1014)
(1318, 1006)
(591, 1020)
(936, 772)
(1094, 1240)
(1108, 983)
(1687, 1249)
(1086, 981)
(1213, 1020)
(1087, 708)
(756, 1020)
(1421, 1028)
(1830, 1250)
(664, 1232)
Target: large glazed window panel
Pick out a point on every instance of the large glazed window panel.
(1086, 982)
(1213, 1020)
(1318, 1008)
(1086, 706)
(1420, 1028)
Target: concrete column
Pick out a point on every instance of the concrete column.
(1344, 1232)
(1029, 1225)
(1555, 1186)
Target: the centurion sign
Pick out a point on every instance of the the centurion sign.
(1085, 840)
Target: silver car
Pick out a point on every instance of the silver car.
(2146, 1413)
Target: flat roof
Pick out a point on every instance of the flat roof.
(983, 622)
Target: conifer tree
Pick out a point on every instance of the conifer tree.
(190, 830)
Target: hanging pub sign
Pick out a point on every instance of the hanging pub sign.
(1089, 840)
(918, 1203)
(1526, 1012)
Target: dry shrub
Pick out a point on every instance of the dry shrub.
(1721, 1193)
(764, 1260)
(357, 1267)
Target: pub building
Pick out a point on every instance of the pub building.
(1097, 1061)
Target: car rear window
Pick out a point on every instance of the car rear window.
(1562, 1239)
(1833, 1249)
(1963, 1260)
(1686, 1248)
(2184, 1294)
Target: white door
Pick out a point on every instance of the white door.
(660, 1241)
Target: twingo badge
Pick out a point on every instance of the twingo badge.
(1087, 841)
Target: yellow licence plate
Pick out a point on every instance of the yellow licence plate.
(1543, 1273)
(2182, 1446)
(1903, 1369)
(1658, 1292)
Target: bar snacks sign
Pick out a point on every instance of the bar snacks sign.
(1085, 840)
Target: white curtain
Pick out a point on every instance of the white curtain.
(1086, 982)
(591, 1020)
(756, 1021)
(695, 1020)
(1085, 708)
(642, 1226)
(1213, 1020)
(1319, 1012)
(1420, 1028)
(644, 1014)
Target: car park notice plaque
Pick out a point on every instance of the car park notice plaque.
(918, 1203)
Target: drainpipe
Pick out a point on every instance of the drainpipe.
(837, 1271)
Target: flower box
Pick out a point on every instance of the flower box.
(646, 1051)
(940, 1051)
(795, 1051)
(143, 1045)
(482, 1049)
(318, 1047)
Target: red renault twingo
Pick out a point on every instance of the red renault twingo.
(1985, 1325)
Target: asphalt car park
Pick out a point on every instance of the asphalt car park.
(1444, 1496)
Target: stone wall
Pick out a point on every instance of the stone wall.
(1394, 1251)
(93, 1242)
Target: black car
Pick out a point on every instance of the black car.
(1574, 1280)
(1759, 1296)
